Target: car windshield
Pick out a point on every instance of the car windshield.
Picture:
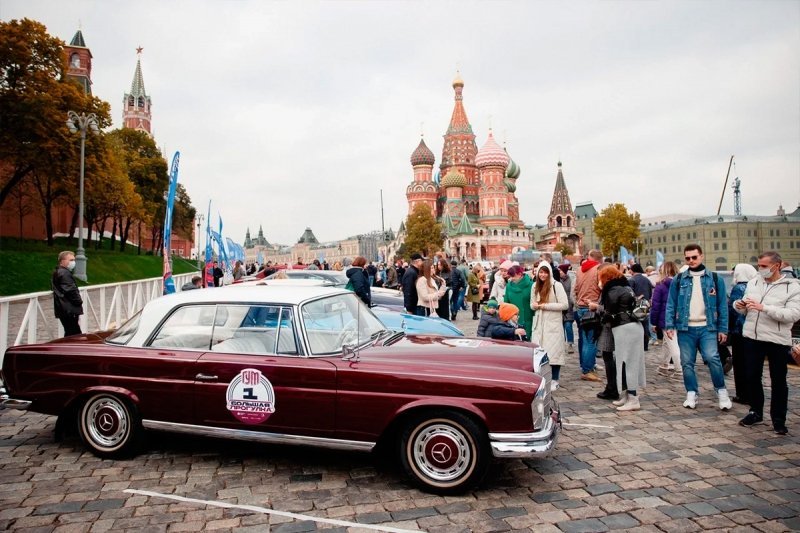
(338, 320)
(124, 333)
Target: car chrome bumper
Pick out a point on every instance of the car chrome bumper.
(532, 444)
(13, 403)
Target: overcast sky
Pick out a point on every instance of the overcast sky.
(295, 114)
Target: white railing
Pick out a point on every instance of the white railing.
(28, 318)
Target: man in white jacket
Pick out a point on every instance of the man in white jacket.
(771, 303)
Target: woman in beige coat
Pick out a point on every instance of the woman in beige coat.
(549, 301)
(430, 288)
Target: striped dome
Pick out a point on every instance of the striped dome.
(491, 154)
(422, 155)
(512, 172)
(454, 178)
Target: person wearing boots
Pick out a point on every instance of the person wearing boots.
(617, 300)
(605, 345)
(474, 291)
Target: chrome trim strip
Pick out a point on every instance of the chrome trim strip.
(534, 444)
(259, 436)
(13, 403)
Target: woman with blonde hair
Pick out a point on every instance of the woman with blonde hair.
(474, 295)
(430, 288)
(671, 361)
(548, 300)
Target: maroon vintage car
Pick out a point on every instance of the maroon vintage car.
(293, 365)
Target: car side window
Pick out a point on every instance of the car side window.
(246, 329)
(287, 342)
(188, 327)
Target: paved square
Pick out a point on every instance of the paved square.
(664, 468)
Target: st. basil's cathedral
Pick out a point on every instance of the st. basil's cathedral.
(475, 201)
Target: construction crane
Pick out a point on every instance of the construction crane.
(737, 196)
(730, 164)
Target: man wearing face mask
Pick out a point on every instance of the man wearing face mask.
(67, 301)
(771, 304)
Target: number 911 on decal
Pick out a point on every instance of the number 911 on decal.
(302, 365)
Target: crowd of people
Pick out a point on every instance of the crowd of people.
(619, 310)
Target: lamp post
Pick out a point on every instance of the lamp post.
(80, 123)
(200, 219)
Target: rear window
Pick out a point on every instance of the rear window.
(126, 331)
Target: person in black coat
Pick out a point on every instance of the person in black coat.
(488, 318)
(409, 284)
(218, 274)
(360, 280)
(67, 301)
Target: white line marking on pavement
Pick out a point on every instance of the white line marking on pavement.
(586, 425)
(264, 510)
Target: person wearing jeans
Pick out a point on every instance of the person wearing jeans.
(697, 312)
(587, 291)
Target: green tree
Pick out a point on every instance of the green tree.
(423, 233)
(564, 249)
(616, 227)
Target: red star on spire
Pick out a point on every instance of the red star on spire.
(139, 50)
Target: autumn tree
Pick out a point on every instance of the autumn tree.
(616, 227)
(147, 170)
(423, 233)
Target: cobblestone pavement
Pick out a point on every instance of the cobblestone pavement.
(664, 468)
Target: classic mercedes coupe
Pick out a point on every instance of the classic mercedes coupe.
(293, 365)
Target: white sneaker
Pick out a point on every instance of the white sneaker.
(554, 385)
(691, 400)
(631, 405)
(725, 402)
(623, 398)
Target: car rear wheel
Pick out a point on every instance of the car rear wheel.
(109, 426)
(444, 452)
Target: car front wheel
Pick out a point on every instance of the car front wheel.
(109, 426)
(444, 452)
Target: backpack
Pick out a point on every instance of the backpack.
(641, 311)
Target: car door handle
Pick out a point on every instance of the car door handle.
(206, 377)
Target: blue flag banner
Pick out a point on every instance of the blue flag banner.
(169, 283)
(624, 255)
(208, 277)
(659, 258)
(225, 263)
(260, 258)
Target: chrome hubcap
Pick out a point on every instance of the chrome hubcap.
(106, 422)
(442, 452)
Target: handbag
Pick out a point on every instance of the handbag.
(473, 291)
(590, 320)
(642, 310)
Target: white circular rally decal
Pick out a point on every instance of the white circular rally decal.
(251, 397)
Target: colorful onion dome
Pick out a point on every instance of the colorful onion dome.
(512, 172)
(458, 82)
(510, 185)
(491, 154)
(422, 155)
(454, 178)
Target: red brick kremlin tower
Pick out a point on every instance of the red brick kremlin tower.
(136, 104)
(475, 201)
(79, 61)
